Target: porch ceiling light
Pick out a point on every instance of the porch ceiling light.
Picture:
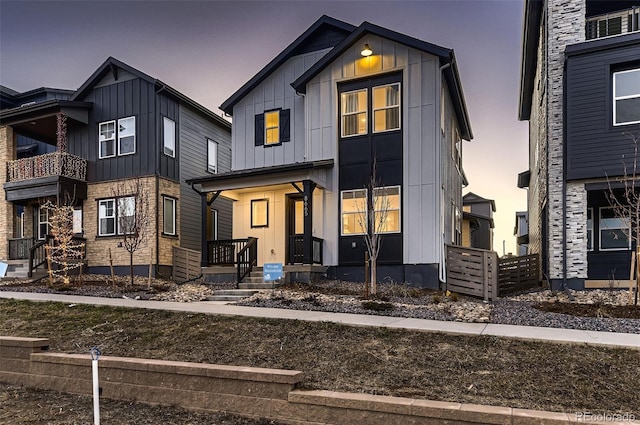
(367, 50)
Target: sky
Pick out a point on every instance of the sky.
(209, 49)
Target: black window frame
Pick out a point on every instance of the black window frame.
(266, 221)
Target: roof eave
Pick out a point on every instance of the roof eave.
(529, 55)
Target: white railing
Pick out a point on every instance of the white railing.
(47, 165)
(614, 23)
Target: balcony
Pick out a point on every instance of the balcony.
(59, 164)
(613, 23)
(42, 176)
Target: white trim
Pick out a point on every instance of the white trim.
(212, 168)
(399, 209)
(172, 149)
(342, 113)
(131, 118)
(356, 213)
(616, 98)
(173, 212)
(112, 217)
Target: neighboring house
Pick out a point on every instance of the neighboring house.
(307, 130)
(121, 125)
(580, 92)
(521, 232)
(477, 221)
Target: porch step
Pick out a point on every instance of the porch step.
(259, 284)
(231, 294)
(17, 269)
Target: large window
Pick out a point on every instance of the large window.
(386, 108)
(613, 231)
(116, 216)
(126, 137)
(386, 205)
(212, 156)
(626, 97)
(354, 113)
(168, 216)
(169, 137)
(260, 213)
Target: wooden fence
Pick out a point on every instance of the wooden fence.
(472, 271)
(186, 264)
(518, 274)
(479, 273)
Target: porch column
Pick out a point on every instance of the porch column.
(203, 229)
(7, 214)
(307, 197)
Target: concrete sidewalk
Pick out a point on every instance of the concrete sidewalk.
(570, 336)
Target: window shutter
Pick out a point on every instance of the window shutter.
(285, 125)
(259, 129)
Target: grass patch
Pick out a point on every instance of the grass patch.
(469, 369)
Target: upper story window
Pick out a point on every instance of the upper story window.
(456, 147)
(212, 156)
(126, 137)
(272, 127)
(169, 137)
(626, 97)
(386, 108)
(354, 113)
(613, 23)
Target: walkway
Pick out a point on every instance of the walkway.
(609, 339)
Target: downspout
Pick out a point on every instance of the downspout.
(443, 254)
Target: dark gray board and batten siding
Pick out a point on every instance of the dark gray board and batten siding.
(596, 148)
(193, 133)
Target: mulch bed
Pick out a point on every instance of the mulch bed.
(591, 310)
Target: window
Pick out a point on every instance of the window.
(456, 147)
(613, 231)
(456, 225)
(212, 156)
(212, 225)
(354, 113)
(106, 217)
(107, 139)
(589, 229)
(116, 216)
(387, 200)
(169, 215)
(127, 136)
(354, 212)
(260, 213)
(43, 223)
(386, 108)
(126, 215)
(272, 127)
(169, 137)
(626, 97)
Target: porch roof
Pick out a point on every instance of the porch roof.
(266, 176)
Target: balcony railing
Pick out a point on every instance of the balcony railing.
(47, 165)
(614, 23)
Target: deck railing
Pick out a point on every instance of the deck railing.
(19, 248)
(614, 23)
(38, 252)
(47, 165)
(296, 253)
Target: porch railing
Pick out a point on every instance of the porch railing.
(223, 252)
(47, 165)
(19, 248)
(296, 249)
(38, 252)
(247, 258)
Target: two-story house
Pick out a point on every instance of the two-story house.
(580, 92)
(120, 125)
(307, 131)
(477, 221)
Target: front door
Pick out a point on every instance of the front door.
(295, 229)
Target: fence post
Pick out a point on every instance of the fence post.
(485, 275)
(495, 273)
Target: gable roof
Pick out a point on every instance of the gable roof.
(445, 55)
(339, 29)
(111, 65)
(472, 198)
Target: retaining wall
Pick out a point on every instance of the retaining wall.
(246, 391)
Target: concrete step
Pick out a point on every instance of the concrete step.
(259, 285)
(242, 292)
(229, 298)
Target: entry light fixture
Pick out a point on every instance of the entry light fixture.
(366, 51)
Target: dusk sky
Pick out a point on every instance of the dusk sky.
(208, 49)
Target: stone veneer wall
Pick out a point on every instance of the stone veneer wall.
(565, 25)
(97, 247)
(7, 153)
(246, 391)
(576, 246)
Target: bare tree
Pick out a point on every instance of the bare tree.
(372, 218)
(625, 203)
(133, 216)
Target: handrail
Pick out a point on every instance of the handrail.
(247, 258)
(37, 249)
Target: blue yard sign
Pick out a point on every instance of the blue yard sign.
(272, 271)
(3, 269)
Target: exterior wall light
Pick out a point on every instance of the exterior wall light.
(367, 50)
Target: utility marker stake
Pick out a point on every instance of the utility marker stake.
(95, 355)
